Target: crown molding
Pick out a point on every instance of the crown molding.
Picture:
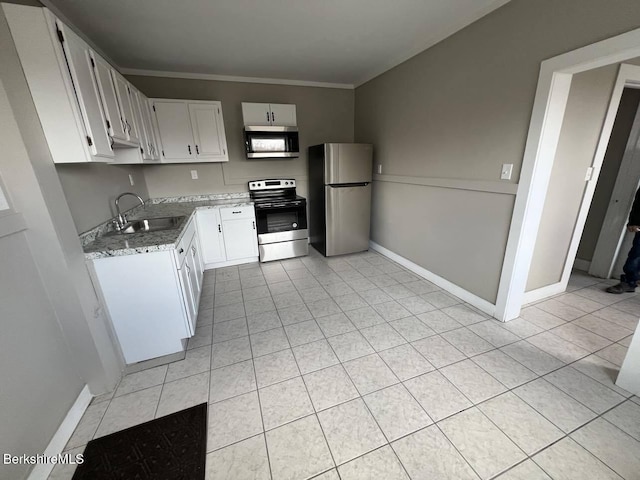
(233, 78)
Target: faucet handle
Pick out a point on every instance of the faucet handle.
(116, 224)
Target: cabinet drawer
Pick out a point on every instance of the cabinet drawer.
(185, 241)
(235, 213)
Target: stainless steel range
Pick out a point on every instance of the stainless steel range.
(281, 217)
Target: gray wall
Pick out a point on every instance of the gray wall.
(324, 115)
(90, 190)
(55, 336)
(587, 106)
(458, 111)
(37, 373)
(609, 172)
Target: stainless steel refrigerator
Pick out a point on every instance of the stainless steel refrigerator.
(340, 197)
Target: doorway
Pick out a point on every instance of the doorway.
(605, 242)
(552, 93)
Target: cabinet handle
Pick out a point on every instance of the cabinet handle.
(219, 229)
(193, 249)
(189, 147)
(188, 269)
(239, 211)
(181, 250)
(267, 116)
(197, 150)
(273, 117)
(254, 225)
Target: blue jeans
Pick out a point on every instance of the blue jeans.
(632, 265)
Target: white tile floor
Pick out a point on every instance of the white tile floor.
(354, 368)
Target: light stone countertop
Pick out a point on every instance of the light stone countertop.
(97, 245)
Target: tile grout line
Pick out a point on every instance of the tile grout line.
(255, 376)
(315, 413)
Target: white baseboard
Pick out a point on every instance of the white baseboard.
(582, 265)
(480, 303)
(542, 293)
(63, 434)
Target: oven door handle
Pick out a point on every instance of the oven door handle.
(278, 205)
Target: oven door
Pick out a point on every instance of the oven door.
(281, 222)
(271, 142)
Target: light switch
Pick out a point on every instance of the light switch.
(194, 174)
(131, 180)
(507, 168)
(589, 174)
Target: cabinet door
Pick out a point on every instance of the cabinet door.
(283, 115)
(174, 126)
(211, 238)
(208, 132)
(240, 238)
(187, 294)
(197, 259)
(256, 114)
(126, 108)
(137, 121)
(196, 288)
(148, 127)
(86, 89)
(102, 72)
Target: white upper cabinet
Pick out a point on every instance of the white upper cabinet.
(134, 97)
(174, 126)
(86, 90)
(149, 133)
(104, 80)
(269, 114)
(208, 132)
(283, 115)
(256, 114)
(90, 113)
(126, 107)
(190, 131)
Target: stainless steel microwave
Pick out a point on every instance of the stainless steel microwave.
(271, 142)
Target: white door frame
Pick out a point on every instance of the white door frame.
(549, 106)
(628, 75)
(613, 228)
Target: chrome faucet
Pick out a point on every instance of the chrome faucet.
(121, 219)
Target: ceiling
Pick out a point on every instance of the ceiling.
(331, 41)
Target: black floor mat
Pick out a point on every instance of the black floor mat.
(173, 447)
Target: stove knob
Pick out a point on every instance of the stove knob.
(294, 225)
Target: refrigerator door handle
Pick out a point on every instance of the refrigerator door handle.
(347, 185)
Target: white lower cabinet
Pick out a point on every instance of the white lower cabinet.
(212, 240)
(228, 235)
(152, 298)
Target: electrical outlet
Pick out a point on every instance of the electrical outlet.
(131, 180)
(507, 168)
(194, 174)
(379, 169)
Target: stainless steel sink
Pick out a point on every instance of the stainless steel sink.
(149, 225)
